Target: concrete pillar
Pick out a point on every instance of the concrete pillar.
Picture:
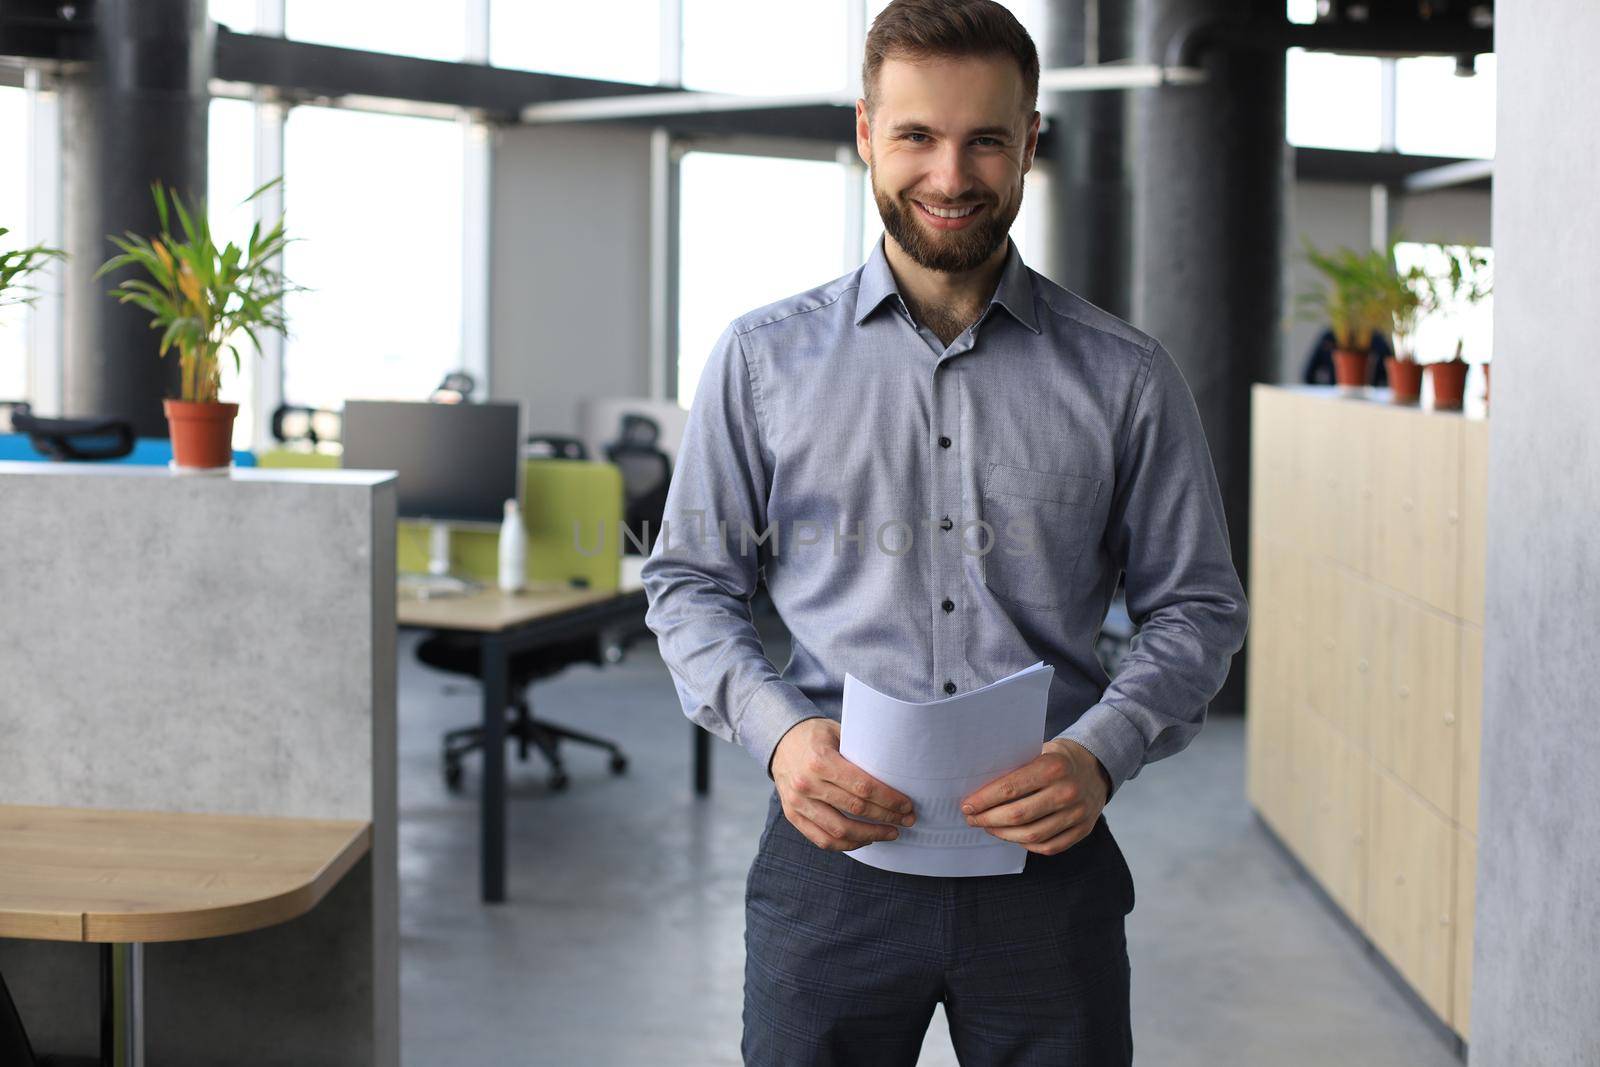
(1091, 191)
(1208, 236)
(135, 113)
(1536, 945)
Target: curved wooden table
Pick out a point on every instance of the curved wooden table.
(124, 878)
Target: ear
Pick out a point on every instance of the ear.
(1030, 143)
(863, 133)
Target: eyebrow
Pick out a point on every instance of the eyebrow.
(922, 127)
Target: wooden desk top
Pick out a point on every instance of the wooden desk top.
(491, 611)
(85, 874)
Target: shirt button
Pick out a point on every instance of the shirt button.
(945, 523)
(944, 442)
(948, 605)
(949, 687)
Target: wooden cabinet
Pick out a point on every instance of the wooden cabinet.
(1466, 871)
(1365, 667)
(1411, 888)
(1469, 727)
(1416, 509)
(1474, 517)
(1414, 717)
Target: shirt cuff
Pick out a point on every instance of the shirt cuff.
(772, 711)
(1111, 739)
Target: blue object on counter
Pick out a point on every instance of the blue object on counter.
(147, 452)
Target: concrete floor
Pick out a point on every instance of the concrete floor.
(621, 940)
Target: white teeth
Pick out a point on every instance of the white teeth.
(949, 213)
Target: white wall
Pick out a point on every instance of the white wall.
(569, 269)
(1536, 961)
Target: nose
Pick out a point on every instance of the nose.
(949, 174)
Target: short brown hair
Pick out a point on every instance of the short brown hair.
(922, 29)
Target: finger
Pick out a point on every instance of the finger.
(1063, 841)
(1040, 831)
(808, 829)
(1030, 808)
(853, 779)
(857, 808)
(846, 832)
(1028, 778)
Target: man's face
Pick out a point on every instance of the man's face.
(948, 142)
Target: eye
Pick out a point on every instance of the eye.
(912, 137)
(986, 141)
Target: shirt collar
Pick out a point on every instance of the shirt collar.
(1014, 291)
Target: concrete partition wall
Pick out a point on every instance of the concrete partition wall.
(1536, 961)
(215, 644)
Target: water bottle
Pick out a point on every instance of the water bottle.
(513, 549)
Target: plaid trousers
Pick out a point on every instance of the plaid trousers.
(844, 963)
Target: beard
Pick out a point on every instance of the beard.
(948, 251)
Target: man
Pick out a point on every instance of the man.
(853, 444)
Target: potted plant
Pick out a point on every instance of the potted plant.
(1408, 296)
(1466, 283)
(1347, 302)
(15, 268)
(202, 297)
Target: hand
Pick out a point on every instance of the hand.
(1047, 805)
(818, 787)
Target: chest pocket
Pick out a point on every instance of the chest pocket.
(1040, 523)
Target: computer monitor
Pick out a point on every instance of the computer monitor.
(457, 463)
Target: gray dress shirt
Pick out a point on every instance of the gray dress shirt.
(931, 519)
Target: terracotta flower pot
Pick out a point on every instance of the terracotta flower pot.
(202, 434)
(1351, 370)
(1405, 378)
(1449, 382)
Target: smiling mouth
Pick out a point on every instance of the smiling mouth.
(947, 212)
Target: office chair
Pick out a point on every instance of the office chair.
(458, 654)
(74, 439)
(554, 446)
(456, 388)
(556, 492)
(646, 474)
(294, 424)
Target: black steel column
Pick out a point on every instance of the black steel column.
(1208, 235)
(1091, 191)
(135, 113)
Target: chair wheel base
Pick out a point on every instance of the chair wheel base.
(559, 781)
(619, 764)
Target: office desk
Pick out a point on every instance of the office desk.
(540, 614)
(125, 878)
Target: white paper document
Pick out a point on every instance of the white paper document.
(937, 753)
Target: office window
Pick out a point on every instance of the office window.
(761, 47)
(1302, 10)
(238, 15)
(1031, 13)
(230, 179)
(429, 29)
(1437, 334)
(1440, 114)
(617, 40)
(1334, 101)
(14, 383)
(374, 203)
(752, 230)
(1030, 229)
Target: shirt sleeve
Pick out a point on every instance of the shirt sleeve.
(1167, 531)
(702, 571)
